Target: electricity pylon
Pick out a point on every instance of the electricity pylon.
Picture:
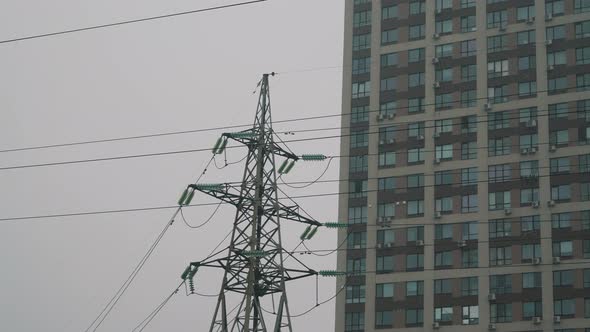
(254, 262)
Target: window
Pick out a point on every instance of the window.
(501, 312)
(469, 176)
(557, 84)
(498, 94)
(532, 309)
(527, 89)
(530, 223)
(361, 89)
(468, 23)
(361, 66)
(389, 59)
(555, 32)
(389, 12)
(530, 251)
(553, 7)
(499, 173)
(443, 4)
(415, 181)
(357, 188)
(414, 317)
(501, 256)
(583, 81)
(585, 191)
(357, 240)
(583, 109)
(415, 208)
(361, 42)
(582, 29)
(443, 232)
(564, 307)
(469, 203)
(359, 164)
(468, 98)
(583, 56)
(497, 43)
(586, 248)
(469, 286)
(387, 184)
(528, 141)
(587, 310)
(388, 108)
(442, 286)
(384, 290)
(525, 13)
(468, 48)
(564, 278)
(388, 84)
(581, 6)
(556, 58)
(468, 150)
(387, 159)
(361, 19)
(416, 105)
(416, 130)
(560, 165)
(443, 259)
(385, 236)
(389, 37)
(417, 7)
(416, 32)
(531, 280)
(414, 288)
(467, 3)
(497, 19)
(355, 265)
(558, 111)
(416, 155)
(498, 120)
(499, 146)
(444, 75)
(444, 152)
(562, 248)
(357, 215)
(442, 101)
(529, 169)
(355, 294)
(354, 321)
(414, 262)
(384, 264)
(386, 210)
(383, 319)
(525, 37)
(359, 139)
(561, 192)
(443, 50)
(415, 233)
(443, 178)
(529, 196)
(470, 315)
(444, 205)
(444, 26)
(497, 68)
(527, 62)
(501, 284)
(469, 258)
(415, 79)
(359, 114)
(386, 134)
(468, 124)
(416, 55)
(587, 278)
(585, 216)
(527, 114)
(469, 73)
(500, 228)
(443, 314)
(443, 126)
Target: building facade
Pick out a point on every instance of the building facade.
(466, 175)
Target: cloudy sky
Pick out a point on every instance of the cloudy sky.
(183, 73)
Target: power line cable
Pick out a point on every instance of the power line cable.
(155, 312)
(203, 223)
(128, 22)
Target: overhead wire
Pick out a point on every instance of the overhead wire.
(157, 310)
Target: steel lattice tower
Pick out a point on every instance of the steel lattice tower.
(253, 266)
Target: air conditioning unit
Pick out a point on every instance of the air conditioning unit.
(507, 211)
(380, 220)
(437, 11)
(548, 17)
(381, 142)
(552, 148)
(492, 297)
(536, 204)
(420, 243)
(389, 219)
(436, 325)
(556, 319)
(531, 123)
(357, 246)
(530, 20)
(436, 36)
(488, 107)
(379, 245)
(550, 67)
(556, 260)
(524, 151)
(462, 244)
(549, 42)
(435, 60)
(436, 161)
(533, 150)
(391, 116)
(421, 137)
(391, 141)
(551, 203)
(492, 327)
(380, 117)
(537, 261)
(436, 85)
(389, 245)
(537, 320)
(436, 134)
(437, 215)
(473, 29)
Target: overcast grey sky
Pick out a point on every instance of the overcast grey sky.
(176, 74)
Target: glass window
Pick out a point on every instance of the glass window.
(562, 248)
(470, 315)
(389, 12)
(497, 19)
(356, 265)
(357, 188)
(469, 73)
(383, 319)
(359, 139)
(361, 42)
(469, 203)
(414, 288)
(555, 32)
(499, 146)
(525, 37)
(468, 48)
(529, 223)
(359, 114)
(529, 196)
(501, 284)
(414, 317)
(558, 111)
(355, 294)
(469, 176)
(361, 89)
(556, 58)
(361, 19)
(528, 141)
(527, 89)
(560, 165)
(444, 26)
(357, 240)
(416, 32)
(414, 262)
(531, 280)
(357, 215)
(354, 321)
(469, 258)
(553, 7)
(532, 309)
(501, 312)
(415, 208)
(416, 55)
(530, 251)
(442, 286)
(443, 101)
(384, 290)
(564, 307)
(384, 264)
(361, 66)
(468, 98)
(359, 164)
(469, 286)
(415, 233)
(498, 120)
(557, 84)
(527, 62)
(416, 105)
(468, 150)
(468, 23)
(443, 259)
(582, 29)
(417, 7)
(564, 278)
(467, 3)
(443, 232)
(529, 169)
(444, 50)
(498, 68)
(500, 256)
(387, 159)
(385, 236)
(561, 192)
(498, 94)
(444, 152)
(415, 79)
(443, 314)
(444, 75)
(582, 82)
(444, 204)
(386, 210)
(415, 180)
(583, 55)
(525, 13)
(388, 84)
(389, 59)
(389, 36)
(387, 183)
(499, 228)
(581, 6)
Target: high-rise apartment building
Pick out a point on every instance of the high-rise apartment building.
(467, 129)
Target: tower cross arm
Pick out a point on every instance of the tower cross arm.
(291, 213)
